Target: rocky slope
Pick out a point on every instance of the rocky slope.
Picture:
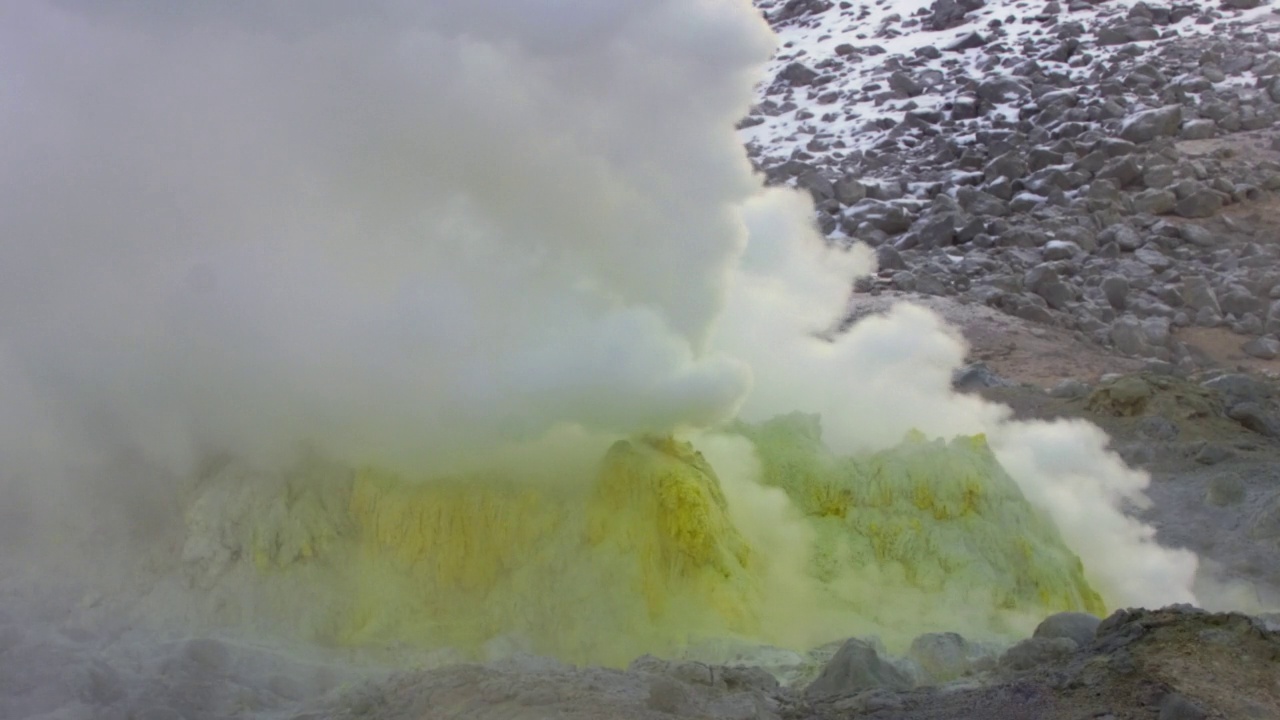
(1103, 167)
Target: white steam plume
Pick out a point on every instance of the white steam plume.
(407, 231)
(399, 232)
(892, 373)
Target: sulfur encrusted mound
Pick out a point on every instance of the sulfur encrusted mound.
(643, 557)
(939, 520)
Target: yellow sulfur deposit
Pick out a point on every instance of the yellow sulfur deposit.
(942, 519)
(642, 559)
(646, 556)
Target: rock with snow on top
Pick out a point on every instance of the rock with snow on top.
(1151, 124)
(1061, 250)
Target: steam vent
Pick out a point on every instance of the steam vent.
(649, 555)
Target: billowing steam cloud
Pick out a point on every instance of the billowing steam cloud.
(410, 232)
(392, 233)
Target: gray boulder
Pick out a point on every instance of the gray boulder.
(1263, 348)
(1235, 388)
(797, 74)
(1124, 171)
(1254, 417)
(1011, 165)
(976, 376)
(855, 667)
(849, 191)
(1075, 626)
(1265, 523)
(1199, 129)
(1155, 202)
(1224, 490)
(903, 83)
(1198, 294)
(1000, 89)
(1115, 288)
(1069, 389)
(1126, 335)
(1197, 235)
(1061, 250)
(1037, 652)
(942, 656)
(1273, 317)
(1199, 204)
(1151, 124)
(1212, 454)
(1239, 301)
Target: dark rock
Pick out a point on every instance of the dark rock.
(1155, 202)
(1037, 652)
(1157, 429)
(888, 258)
(905, 84)
(1265, 523)
(1273, 317)
(818, 186)
(1199, 204)
(1239, 302)
(947, 14)
(1010, 165)
(1199, 130)
(1124, 171)
(855, 667)
(1255, 418)
(942, 656)
(968, 41)
(1235, 388)
(1197, 235)
(981, 203)
(1263, 348)
(1212, 454)
(1069, 389)
(1151, 124)
(849, 191)
(799, 8)
(998, 90)
(1061, 250)
(1223, 489)
(976, 376)
(1075, 626)
(1126, 335)
(938, 231)
(1116, 290)
(1198, 294)
(796, 74)
(964, 108)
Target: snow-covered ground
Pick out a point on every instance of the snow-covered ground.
(855, 50)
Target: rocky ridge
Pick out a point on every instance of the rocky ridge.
(1132, 664)
(1107, 168)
